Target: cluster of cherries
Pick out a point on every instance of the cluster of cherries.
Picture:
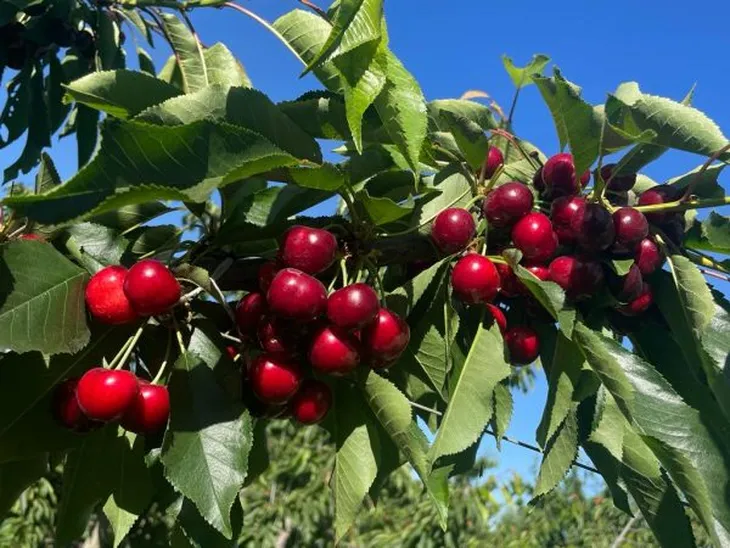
(569, 246)
(300, 330)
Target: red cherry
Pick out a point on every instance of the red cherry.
(509, 284)
(32, 237)
(275, 378)
(593, 227)
(149, 411)
(266, 273)
(296, 296)
(277, 337)
(452, 230)
(232, 352)
(537, 180)
(334, 351)
(495, 160)
(559, 176)
(249, 311)
(151, 288)
(507, 204)
(640, 304)
(648, 257)
(580, 278)
(475, 279)
(105, 297)
(535, 237)
(312, 402)
(540, 272)
(385, 338)
(562, 212)
(311, 250)
(498, 316)
(631, 227)
(66, 409)
(620, 183)
(352, 306)
(658, 195)
(523, 345)
(104, 394)
(628, 287)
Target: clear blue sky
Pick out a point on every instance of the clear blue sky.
(455, 46)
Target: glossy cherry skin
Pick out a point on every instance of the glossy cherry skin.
(266, 273)
(628, 287)
(507, 204)
(535, 237)
(562, 212)
(631, 227)
(311, 250)
(385, 338)
(151, 288)
(475, 279)
(452, 230)
(334, 351)
(509, 283)
(498, 316)
(105, 297)
(149, 411)
(559, 176)
(277, 337)
(640, 304)
(620, 183)
(104, 395)
(249, 312)
(274, 378)
(66, 409)
(541, 272)
(295, 295)
(311, 404)
(523, 345)
(495, 160)
(648, 257)
(593, 227)
(580, 278)
(658, 195)
(353, 306)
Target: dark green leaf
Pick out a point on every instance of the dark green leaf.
(47, 176)
(704, 184)
(469, 137)
(127, 217)
(16, 476)
(146, 64)
(560, 452)
(188, 52)
(471, 110)
(96, 246)
(404, 299)
(382, 210)
(87, 133)
(223, 68)
(502, 415)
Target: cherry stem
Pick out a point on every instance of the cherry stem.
(178, 335)
(511, 138)
(680, 205)
(231, 338)
(343, 270)
(126, 351)
(373, 269)
(221, 298)
(717, 275)
(706, 261)
(424, 408)
(317, 9)
(163, 365)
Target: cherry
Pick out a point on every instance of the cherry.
(593, 227)
(296, 296)
(674, 230)
(523, 345)
(580, 278)
(104, 394)
(498, 316)
(149, 411)
(628, 287)
(631, 227)
(274, 378)
(66, 409)
(311, 250)
(151, 288)
(266, 274)
(537, 181)
(559, 176)
(452, 230)
(535, 237)
(495, 160)
(475, 279)
(658, 195)
(276, 337)
(620, 183)
(333, 350)
(353, 306)
(312, 402)
(32, 237)
(640, 304)
(562, 212)
(232, 352)
(507, 204)
(540, 272)
(648, 257)
(249, 311)
(509, 284)
(385, 338)
(105, 297)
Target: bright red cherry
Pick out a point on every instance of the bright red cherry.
(495, 160)
(540, 272)
(104, 394)
(648, 257)
(452, 230)
(640, 304)
(498, 316)
(151, 288)
(249, 311)
(277, 337)
(295, 295)
(105, 297)
(311, 250)
(275, 378)
(266, 273)
(523, 345)
(593, 227)
(658, 195)
(559, 175)
(535, 237)
(628, 287)
(620, 183)
(580, 278)
(312, 402)
(509, 284)
(149, 411)
(66, 409)
(385, 338)
(562, 212)
(507, 204)
(631, 227)
(335, 351)
(475, 279)
(353, 306)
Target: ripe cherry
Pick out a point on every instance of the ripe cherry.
(593, 227)
(620, 183)
(277, 337)
(509, 284)
(149, 411)
(274, 378)
(540, 272)
(66, 409)
(385, 338)
(562, 212)
(105, 297)
(249, 311)
(312, 402)
(151, 288)
(311, 250)
(452, 230)
(535, 237)
(266, 273)
(523, 345)
(537, 181)
(627, 287)
(559, 176)
(475, 279)
(648, 257)
(104, 394)
(498, 316)
(507, 204)
(353, 306)
(295, 295)
(640, 304)
(333, 350)
(580, 278)
(658, 195)
(32, 237)
(495, 160)
(631, 227)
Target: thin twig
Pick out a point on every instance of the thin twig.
(231, 338)
(317, 9)
(717, 275)
(625, 531)
(698, 176)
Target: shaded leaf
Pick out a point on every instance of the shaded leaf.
(16, 476)
(188, 53)
(560, 452)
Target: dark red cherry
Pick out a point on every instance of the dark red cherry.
(475, 279)
(266, 273)
(311, 250)
(353, 306)
(559, 176)
(659, 195)
(509, 284)
(66, 409)
(105, 394)
(275, 378)
(627, 287)
(277, 336)
(620, 183)
(507, 204)
(541, 272)
(580, 278)
(640, 304)
(151, 288)
(631, 227)
(452, 230)
(312, 402)
(593, 227)
(149, 411)
(105, 297)
(535, 237)
(334, 351)
(385, 338)
(537, 181)
(295, 295)
(29, 236)
(495, 160)
(249, 311)
(498, 316)
(562, 212)
(648, 257)
(523, 345)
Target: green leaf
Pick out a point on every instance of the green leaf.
(522, 76)
(560, 452)
(223, 67)
(469, 136)
(206, 446)
(16, 476)
(704, 184)
(42, 300)
(502, 414)
(454, 192)
(127, 217)
(199, 534)
(146, 64)
(716, 229)
(109, 50)
(119, 93)
(471, 110)
(382, 210)
(188, 52)
(87, 133)
(621, 266)
(403, 300)
(47, 176)
(96, 246)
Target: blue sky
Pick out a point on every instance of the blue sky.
(456, 46)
